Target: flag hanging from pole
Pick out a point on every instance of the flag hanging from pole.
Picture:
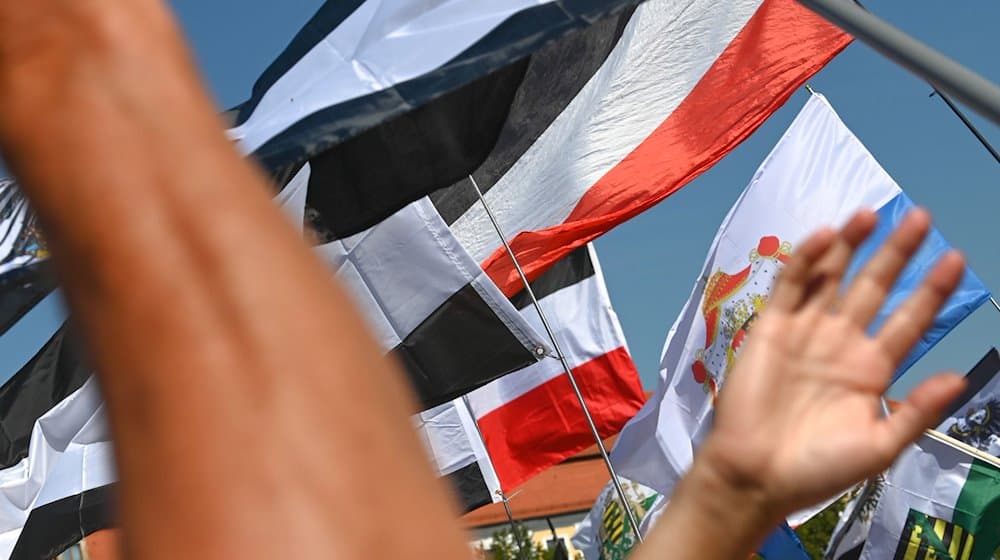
(818, 174)
(974, 417)
(499, 436)
(973, 409)
(569, 133)
(532, 419)
(602, 129)
(605, 534)
(939, 502)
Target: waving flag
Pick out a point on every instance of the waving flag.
(430, 305)
(586, 113)
(601, 132)
(818, 174)
(939, 501)
(499, 436)
(974, 417)
(531, 419)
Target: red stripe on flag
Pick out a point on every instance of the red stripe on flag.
(781, 46)
(546, 425)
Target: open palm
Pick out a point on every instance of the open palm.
(801, 415)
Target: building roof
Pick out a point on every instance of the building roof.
(569, 487)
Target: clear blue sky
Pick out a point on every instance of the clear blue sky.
(652, 261)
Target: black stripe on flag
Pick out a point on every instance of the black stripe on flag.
(477, 343)
(514, 39)
(53, 374)
(470, 487)
(555, 75)
(980, 374)
(569, 270)
(372, 175)
(327, 18)
(22, 289)
(56, 526)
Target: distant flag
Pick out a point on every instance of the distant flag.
(605, 533)
(24, 276)
(457, 452)
(530, 420)
(818, 174)
(970, 416)
(974, 418)
(783, 544)
(56, 457)
(430, 305)
(939, 502)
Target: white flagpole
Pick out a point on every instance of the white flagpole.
(565, 364)
(995, 304)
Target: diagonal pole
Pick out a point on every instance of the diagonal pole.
(630, 515)
(968, 124)
(513, 526)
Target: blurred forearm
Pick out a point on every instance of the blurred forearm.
(244, 393)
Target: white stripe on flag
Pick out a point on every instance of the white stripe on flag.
(379, 45)
(70, 452)
(663, 53)
(401, 270)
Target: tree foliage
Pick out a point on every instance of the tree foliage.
(517, 545)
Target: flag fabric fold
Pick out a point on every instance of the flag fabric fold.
(939, 502)
(431, 306)
(818, 174)
(657, 98)
(359, 63)
(531, 419)
(605, 534)
(497, 437)
(974, 417)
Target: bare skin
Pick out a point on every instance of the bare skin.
(253, 414)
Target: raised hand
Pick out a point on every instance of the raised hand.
(801, 415)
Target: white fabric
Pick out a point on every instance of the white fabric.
(292, 198)
(453, 442)
(818, 174)
(585, 325)
(403, 268)
(928, 477)
(977, 423)
(589, 538)
(70, 452)
(666, 48)
(379, 45)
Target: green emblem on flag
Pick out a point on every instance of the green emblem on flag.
(928, 538)
(617, 538)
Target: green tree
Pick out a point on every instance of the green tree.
(517, 545)
(815, 534)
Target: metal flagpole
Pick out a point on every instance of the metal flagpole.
(942, 72)
(995, 304)
(513, 526)
(968, 124)
(565, 364)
